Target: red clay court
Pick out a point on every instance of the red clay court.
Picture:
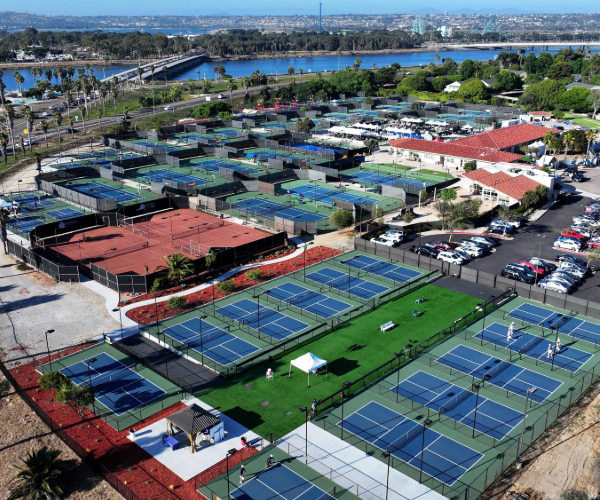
(129, 248)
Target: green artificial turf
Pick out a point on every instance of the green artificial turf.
(245, 404)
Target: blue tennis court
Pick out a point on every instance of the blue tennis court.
(565, 324)
(227, 132)
(41, 199)
(216, 344)
(214, 165)
(65, 214)
(25, 224)
(165, 174)
(337, 116)
(447, 399)
(115, 385)
(103, 191)
(535, 347)
(371, 265)
(324, 195)
(268, 210)
(379, 180)
(502, 374)
(266, 320)
(279, 483)
(443, 458)
(307, 299)
(350, 284)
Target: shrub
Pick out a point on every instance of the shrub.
(156, 285)
(53, 380)
(470, 166)
(4, 387)
(227, 286)
(176, 302)
(408, 217)
(573, 494)
(255, 275)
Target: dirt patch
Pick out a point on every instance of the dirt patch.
(21, 430)
(562, 457)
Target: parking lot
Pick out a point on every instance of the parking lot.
(533, 239)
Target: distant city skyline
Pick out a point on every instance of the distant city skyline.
(304, 7)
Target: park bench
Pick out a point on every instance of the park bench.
(350, 347)
(387, 326)
(420, 300)
(416, 313)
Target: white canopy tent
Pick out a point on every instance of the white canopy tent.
(308, 363)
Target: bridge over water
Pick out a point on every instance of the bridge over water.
(174, 65)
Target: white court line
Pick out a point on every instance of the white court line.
(533, 314)
(92, 368)
(492, 418)
(415, 457)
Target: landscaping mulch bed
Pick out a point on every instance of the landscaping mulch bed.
(194, 281)
(147, 314)
(133, 467)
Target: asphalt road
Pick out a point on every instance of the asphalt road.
(38, 136)
(532, 240)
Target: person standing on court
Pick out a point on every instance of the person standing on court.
(549, 351)
(270, 461)
(557, 346)
(242, 471)
(511, 331)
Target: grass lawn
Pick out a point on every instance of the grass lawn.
(422, 170)
(243, 404)
(583, 120)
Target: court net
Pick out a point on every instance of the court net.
(213, 335)
(500, 367)
(454, 402)
(531, 344)
(378, 266)
(304, 297)
(116, 253)
(254, 317)
(416, 430)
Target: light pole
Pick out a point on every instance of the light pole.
(305, 250)
(201, 340)
(388, 455)
(531, 390)
(476, 386)
(121, 322)
(349, 261)
(156, 311)
(257, 297)
(48, 347)
(305, 410)
(345, 385)
(227, 455)
(91, 360)
(426, 423)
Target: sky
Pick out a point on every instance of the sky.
(292, 7)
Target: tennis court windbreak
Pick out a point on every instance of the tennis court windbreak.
(97, 204)
(68, 274)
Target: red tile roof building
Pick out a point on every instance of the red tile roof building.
(507, 138)
(512, 187)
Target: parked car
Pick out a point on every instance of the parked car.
(222, 96)
(549, 266)
(425, 250)
(52, 108)
(573, 269)
(513, 274)
(452, 257)
(514, 223)
(169, 108)
(578, 177)
(472, 251)
(520, 268)
(463, 253)
(579, 234)
(385, 237)
(379, 241)
(571, 258)
(469, 243)
(398, 234)
(568, 275)
(485, 240)
(570, 279)
(567, 244)
(441, 244)
(496, 230)
(563, 281)
(533, 268)
(480, 241)
(553, 286)
(593, 243)
(506, 228)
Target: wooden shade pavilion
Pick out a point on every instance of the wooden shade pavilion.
(191, 421)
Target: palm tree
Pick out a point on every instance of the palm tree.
(567, 139)
(165, 69)
(44, 127)
(220, 70)
(437, 58)
(83, 112)
(28, 114)
(140, 71)
(300, 72)
(38, 159)
(3, 144)
(521, 53)
(11, 114)
(291, 70)
(58, 118)
(17, 75)
(231, 86)
(48, 74)
(548, 140)
(100, 115)
(206, 87)
(357, 63)
(590, 135)
(177, 267)
(72, 124)
(198, 73)
(115, 94)
(246, 83)
(40, 477)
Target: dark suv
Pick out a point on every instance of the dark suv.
(425, 250)
(513, 274)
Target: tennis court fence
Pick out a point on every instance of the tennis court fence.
(97, 204)
(68, 274)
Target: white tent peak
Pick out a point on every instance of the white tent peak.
(307, 363)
